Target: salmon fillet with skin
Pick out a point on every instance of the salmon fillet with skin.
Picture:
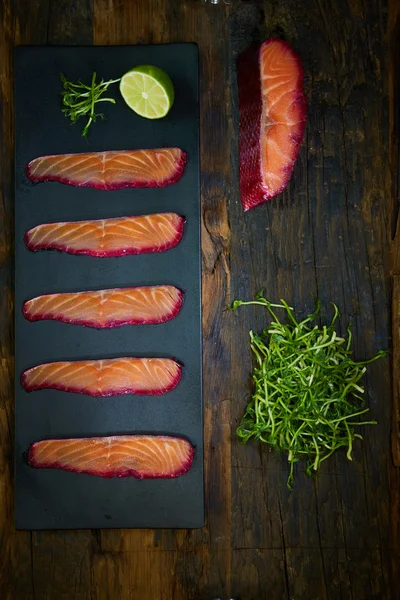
(107, 377)
(111, 170)
(272, 119)
(108, 308)
(109, 237)
(140, 456)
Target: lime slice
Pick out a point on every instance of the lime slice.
(148, 91)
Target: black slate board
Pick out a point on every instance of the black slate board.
(47, 499)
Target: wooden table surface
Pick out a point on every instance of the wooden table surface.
(331, 233)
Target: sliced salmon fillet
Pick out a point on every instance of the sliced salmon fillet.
(272, 119)
(111, 170)
(108, 308)
(109, 237)
(107, 377)
(140, 456)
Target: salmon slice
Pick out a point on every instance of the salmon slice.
(272, 119)
(107, 377)
(140, 456)
(108, 308)
(111, 170)
(109, 237)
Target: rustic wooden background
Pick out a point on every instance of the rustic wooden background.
(331, 233)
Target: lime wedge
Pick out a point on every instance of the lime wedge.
(148, 91)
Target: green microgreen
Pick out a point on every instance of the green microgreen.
(307, 395)
(79, 99)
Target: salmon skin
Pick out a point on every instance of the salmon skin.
(109, 237)
(272, 119)
(140, 456)
(111, 170)
(107, 377)
(108, 308)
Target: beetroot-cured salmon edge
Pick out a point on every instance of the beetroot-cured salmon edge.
(253, 53)
(109, 324)
(176, 175)
(248, 68)
(127, 473)
(74, 390)
(108, 394)
(107, 254)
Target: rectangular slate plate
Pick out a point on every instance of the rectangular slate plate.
(50, 498)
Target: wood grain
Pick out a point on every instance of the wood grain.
(394, 86)
(15, 569)
(329, 234)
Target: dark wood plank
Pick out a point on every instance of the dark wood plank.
(70, 22)
(123, 576)
(394, 87)
(394, 121)
(259, 573)
(15, 547)
(61, 565)
(328, 234)
(30, 26)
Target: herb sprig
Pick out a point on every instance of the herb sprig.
(307, 392)
(79, 99)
